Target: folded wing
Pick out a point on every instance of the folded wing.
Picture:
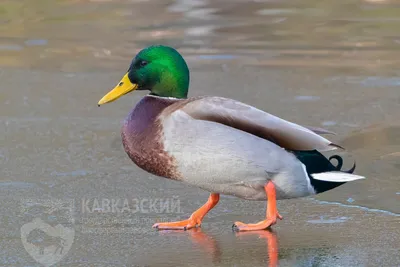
(244, 117)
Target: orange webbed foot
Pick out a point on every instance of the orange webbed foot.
(239, 226)
(179, 225)
(194, 220)
(271, 216)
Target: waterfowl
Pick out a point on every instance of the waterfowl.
(218, 144)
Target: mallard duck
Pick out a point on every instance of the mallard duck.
(219, 144)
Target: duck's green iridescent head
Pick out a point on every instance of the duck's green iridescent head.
(159, 69)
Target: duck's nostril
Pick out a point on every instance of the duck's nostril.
(121, 83)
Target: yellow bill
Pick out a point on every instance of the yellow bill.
(125, 86)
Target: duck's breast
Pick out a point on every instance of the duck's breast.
(141, 136)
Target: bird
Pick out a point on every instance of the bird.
(218, 144)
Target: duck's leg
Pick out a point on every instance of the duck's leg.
(194, 220)
(271, 216)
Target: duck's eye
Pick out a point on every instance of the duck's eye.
(142, 63)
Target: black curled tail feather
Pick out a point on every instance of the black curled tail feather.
(315, 162)
(339, 165)
(339, 160)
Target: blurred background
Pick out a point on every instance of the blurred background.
(351, 36)
(330, 64)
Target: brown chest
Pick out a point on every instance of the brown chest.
(142, 139)
(151, 157)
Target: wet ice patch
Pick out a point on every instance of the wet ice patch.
(329, 123)
(217, 57)
(333, 123)
(369, 81)
(71, 174)
(275, 11)
(322, 219)
(356, 206)
(306, 98)
(200, 30)
(36, 42)
(17, 185)
(10, 47)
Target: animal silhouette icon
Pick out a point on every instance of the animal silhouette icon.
(41, 239)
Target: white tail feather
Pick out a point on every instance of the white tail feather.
(338, 177)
